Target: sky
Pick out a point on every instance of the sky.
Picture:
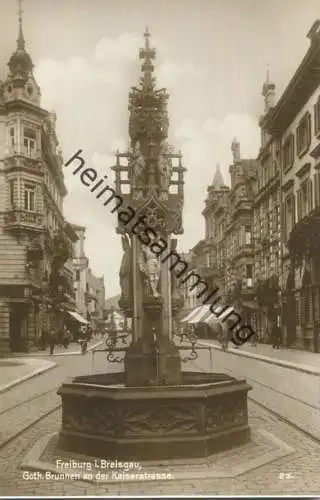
(212, 56)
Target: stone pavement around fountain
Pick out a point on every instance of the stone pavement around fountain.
(294, 471)
(14, 371)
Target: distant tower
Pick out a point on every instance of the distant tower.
(218, 181)
(268, 92)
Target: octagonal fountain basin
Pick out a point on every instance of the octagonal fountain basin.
(204, 415)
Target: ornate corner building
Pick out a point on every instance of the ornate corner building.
(36, 275)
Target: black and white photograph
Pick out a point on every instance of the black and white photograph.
(159, 248)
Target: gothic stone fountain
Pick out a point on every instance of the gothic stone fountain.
(153, 410)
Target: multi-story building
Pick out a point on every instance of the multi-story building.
(195, 259)
(224, 259)
(238, 256)
(80, 267)
(95, 298)
(35, 240)
(267, 223)
(89, 290)
(215, 214)
(294, 123)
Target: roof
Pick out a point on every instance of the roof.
(301, 86)
(218, 181)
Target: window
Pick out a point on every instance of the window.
(12, 137)
(288, 152)
(12, 193)
(247, 233)
(77, 275)
(317, 117)
(304, 199)
(289, 215)
(249, 272)
(304, 134)
(316, 182)
(29, 141)
(29, 197)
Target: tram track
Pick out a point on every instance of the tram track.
(26, 401)
(267, 408)
(20, 417)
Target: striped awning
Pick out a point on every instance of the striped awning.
(191, 315)
(77, 317)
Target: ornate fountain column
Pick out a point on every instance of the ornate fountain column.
(152, 410)
(153, 358)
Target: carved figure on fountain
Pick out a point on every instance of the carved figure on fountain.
(150, 267)
(138, 167)
(164, 165)
(125, 274)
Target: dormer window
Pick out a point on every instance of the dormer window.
(29, 141)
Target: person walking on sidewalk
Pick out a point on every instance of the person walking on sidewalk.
(276, 336)
(52, 341)
(254, 340)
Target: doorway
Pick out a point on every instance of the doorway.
(17, 327)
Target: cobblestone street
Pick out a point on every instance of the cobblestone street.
(291, 394)
(296, 473)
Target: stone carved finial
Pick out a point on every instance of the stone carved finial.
(235, 148)
(268, 92)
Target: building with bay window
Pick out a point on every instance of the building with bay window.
(294, 124)
(36, 282)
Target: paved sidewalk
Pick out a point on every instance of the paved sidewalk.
(307, 362)
(14, 371)
(73, 349)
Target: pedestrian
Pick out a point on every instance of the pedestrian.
(316, 335)
(276, 336)
(52, 341)
(254, 339)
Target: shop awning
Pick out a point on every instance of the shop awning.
(77, 317)
(191, 314)
(201, 314)
(216, 318)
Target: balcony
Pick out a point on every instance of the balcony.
(23, 219)
(22, 161)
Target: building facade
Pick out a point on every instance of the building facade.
(80, 268)
(35, 240)
(215, 214)
(95, 299)
(267, 223)
(295, 123)
(238, 235)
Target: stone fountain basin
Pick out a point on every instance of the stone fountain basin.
(101, 417)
